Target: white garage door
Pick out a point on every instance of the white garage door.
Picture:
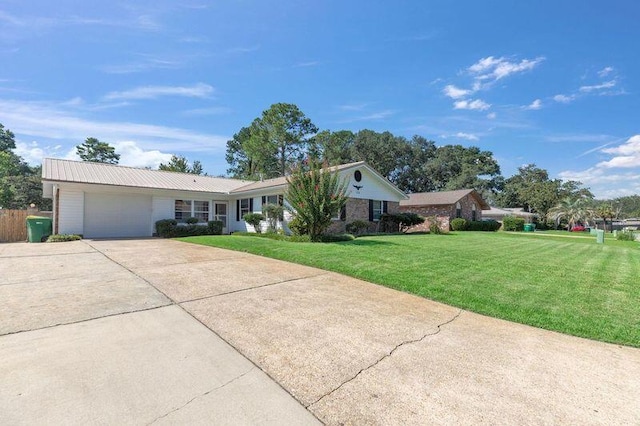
(117, 215)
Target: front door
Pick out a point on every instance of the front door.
(220, 213)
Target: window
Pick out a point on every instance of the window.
(220, 213)
(376, 209)
(458, 210)
(201, 210)
(243, 207)
(185, 209)
(272, 199)
(473, 212)
(357, 175)
(182, 210)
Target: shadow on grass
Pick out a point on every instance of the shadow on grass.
(361, 242)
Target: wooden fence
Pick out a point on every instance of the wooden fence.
(13, 225)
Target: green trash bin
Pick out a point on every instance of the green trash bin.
(529, 227)
(38, 228)
(600, 236)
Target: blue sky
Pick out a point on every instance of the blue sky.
(545, 82)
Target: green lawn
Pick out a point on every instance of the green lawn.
(571, 285)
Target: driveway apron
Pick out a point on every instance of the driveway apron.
(348, 351)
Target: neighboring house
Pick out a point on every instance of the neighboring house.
(445, 205)
(108, 201)
(498, 214)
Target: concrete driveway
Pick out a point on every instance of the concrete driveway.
(136, 331)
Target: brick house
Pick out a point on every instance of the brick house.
(446, 206)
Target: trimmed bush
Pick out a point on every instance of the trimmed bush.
(169, 228)
(512, 223)
(254, 220)
(191, 220)
(357, 227)
(459, 224)
(60, 238)
(274, 213)
(165, 226)
(215, 227)
(483, 225)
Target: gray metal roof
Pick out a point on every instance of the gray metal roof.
(442, 198)
(57, 170)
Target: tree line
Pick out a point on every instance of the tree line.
(282, 137)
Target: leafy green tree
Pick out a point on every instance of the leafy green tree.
(7, 140)
(382, 151)
(334, 148)
(412, 174)
(532, 189)
(315, 195)
(98, 152)
(269, 147)
(181, 164)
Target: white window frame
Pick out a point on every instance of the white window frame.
(218, 216)
(192, 210)
(458, 210)
(206, 212)
(244, 209)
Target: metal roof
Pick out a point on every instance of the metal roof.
(57, 170)
(282, 181)
(442, 198)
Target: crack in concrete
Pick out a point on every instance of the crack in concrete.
(201, 396)
(385, 356)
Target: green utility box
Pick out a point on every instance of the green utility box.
(600, 236)
(38, 228)
(529, 227)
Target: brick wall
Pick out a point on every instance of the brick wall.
(358, 209)
(444, 213)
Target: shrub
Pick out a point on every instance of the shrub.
(274, 213)
(215, 227)
(626, 236)
(483, 225)
(169, 228)
(459, 224)
(297, 227)
(435, 227)
(59, 238)
(357, 227)
(191, 220)
(336, 238)
(254, 220)
(165, 226)
(512, 223)
(316, 195)
(400, 221)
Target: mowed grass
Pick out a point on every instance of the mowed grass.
(571, 285)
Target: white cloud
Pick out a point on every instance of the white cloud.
(33, 153)
(605, 85)
(492, 115)
(476, 104)
(605, 71)
(467, 136)
(535, 105)
(306, 64)
(602, 177)
(207, 111)
(132, 155)
(491, 68)
(455, 92)
(564, 99)
(199, 90)
(31, 120)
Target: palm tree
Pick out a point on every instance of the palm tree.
(605, 211)
(573, 210)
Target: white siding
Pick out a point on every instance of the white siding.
(162, 208)
(241, 225)
(71, 212)
(373, 187)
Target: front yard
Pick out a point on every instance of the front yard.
(571, 285)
